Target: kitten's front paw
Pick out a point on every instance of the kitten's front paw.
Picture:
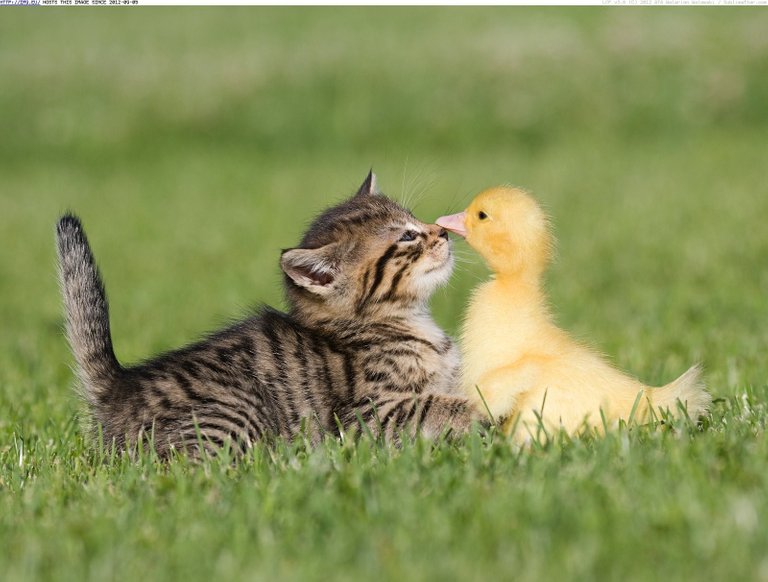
(452, 416)
(472, 420)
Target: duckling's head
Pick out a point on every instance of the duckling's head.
(508, 228)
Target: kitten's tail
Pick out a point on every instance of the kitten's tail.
(87, 311)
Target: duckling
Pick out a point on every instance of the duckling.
(517, 363)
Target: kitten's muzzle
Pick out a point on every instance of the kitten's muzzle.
(437, 231)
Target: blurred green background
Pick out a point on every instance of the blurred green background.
(197, 143)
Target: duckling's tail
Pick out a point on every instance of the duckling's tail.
(689, 389)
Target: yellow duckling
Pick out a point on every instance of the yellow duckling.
(525, 366)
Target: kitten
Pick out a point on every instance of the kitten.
(358, 344)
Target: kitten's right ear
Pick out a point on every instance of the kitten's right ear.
(313, 269)
(368, 187)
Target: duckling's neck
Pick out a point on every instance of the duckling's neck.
(523, 279)
(523, 288)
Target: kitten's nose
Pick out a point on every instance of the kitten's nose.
(442, 233)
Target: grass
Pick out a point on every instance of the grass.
(196, 144)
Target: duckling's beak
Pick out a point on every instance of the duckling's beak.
(454, 223)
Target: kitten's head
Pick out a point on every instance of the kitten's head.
(367, 255)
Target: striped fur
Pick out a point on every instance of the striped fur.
(357, 344)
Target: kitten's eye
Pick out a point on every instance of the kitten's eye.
(482, 215)
(408, 236)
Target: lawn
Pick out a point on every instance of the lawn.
(197, 143)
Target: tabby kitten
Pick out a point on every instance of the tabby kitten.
(357, 345)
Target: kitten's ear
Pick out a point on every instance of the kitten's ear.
(313, 269)
(368, 187)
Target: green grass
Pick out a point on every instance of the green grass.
(196, 144)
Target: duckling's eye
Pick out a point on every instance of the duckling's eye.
(482, 215)
(408, 236)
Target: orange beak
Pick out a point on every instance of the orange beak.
(454, 223)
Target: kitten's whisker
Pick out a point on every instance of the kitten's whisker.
(459, 202)
(414, 189)
(403, 200)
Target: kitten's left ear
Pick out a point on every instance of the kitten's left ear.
(313, 269)
(368, 187)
